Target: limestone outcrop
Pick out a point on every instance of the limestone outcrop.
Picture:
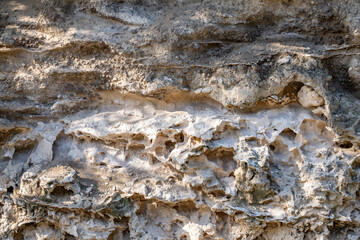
(149, 119)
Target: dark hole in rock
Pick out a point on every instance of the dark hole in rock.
(69, 237)
(10, 189)
(291, 90)
(179, 137)
(170, 145)
(346, 144)
(60, 191)
(272, 147)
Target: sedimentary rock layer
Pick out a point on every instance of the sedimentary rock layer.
(179, 119)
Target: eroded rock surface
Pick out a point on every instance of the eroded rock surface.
(179, 119)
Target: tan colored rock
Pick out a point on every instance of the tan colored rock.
(179, 120)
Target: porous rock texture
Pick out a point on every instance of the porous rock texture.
(179, 119)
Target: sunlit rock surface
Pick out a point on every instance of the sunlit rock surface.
(179, 119)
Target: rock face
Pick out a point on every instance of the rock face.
(156, 119)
